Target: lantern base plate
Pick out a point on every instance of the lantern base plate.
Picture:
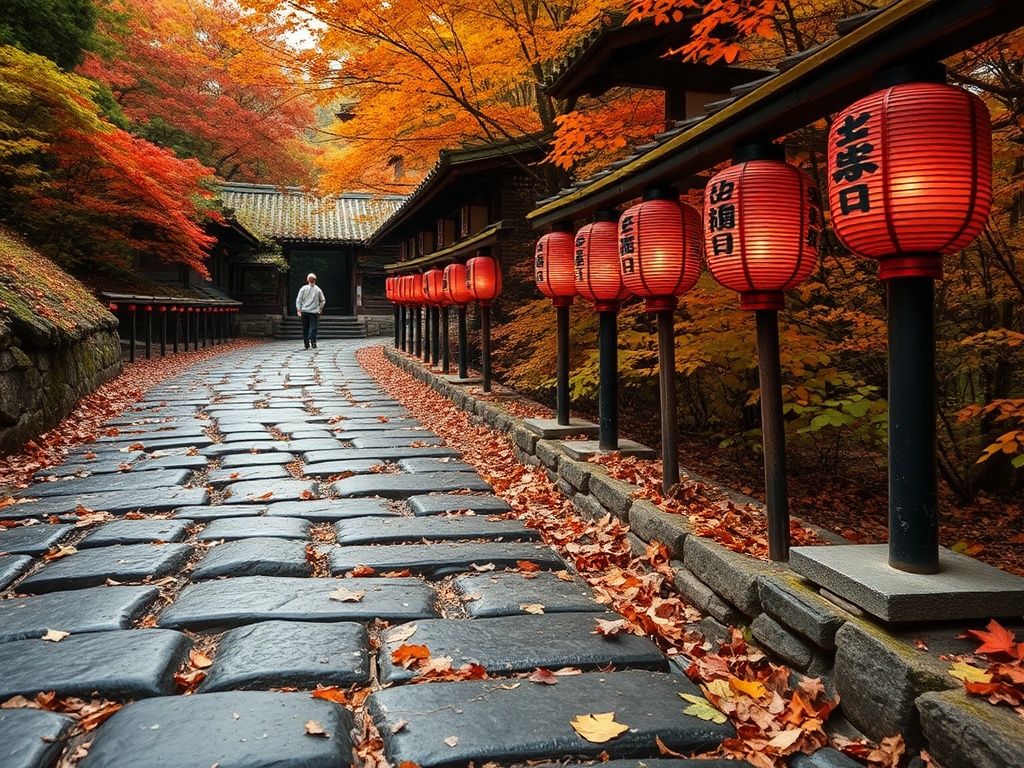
(454, 379)
(964, 588)
(550, 429)
(581, 450)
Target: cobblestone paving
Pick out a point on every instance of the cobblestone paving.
(275, 476)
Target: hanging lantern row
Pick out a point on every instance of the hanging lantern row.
(478, 280)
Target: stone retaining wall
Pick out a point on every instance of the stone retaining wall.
(890, 679)
(40, 386)
(256, 326)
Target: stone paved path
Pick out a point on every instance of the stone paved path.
(241, 541)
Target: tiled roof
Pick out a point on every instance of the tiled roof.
(289, 213)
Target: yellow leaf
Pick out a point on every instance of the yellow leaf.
(969, 674)
(535, 608)
(598, 728)
(702, 709)
(55, 635)
(719, 688)
(753, 689)
(313, 728)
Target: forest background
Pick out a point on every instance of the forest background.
(117, 118)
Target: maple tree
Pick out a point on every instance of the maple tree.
(60, 30)
(187, 78)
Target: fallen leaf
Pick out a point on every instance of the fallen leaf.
(543, 676)
(511, 687)
(313, 728)
(452, 741)
(482, 568)
(56, 553)
(527, 566)
(702, 709)
(55, 635)
(199, 660)
(996, 640)
(330, 693)
(598, 728)
(969, 673)
(306, 495)
(786, 739)
(752, 688)
(564, 576)
(664, 751)
(401, 634)
(607, 628)
(343, 595)
(361, 571)
(407, 656)
(399, 726)
(535, 608)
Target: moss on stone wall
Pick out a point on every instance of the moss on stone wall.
(57, 343)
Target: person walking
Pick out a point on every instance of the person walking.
(309, 304)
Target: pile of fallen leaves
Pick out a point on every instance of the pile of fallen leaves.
(106, 402)
(1001, 680)
(773, 717)
(88, 715)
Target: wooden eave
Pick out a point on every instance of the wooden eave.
(631, 56)
(817, 85)
(491, 235)
(458, 166)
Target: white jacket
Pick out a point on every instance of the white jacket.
(310, 299)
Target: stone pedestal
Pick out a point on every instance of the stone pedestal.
(581, 450)
(454, 379)
(550, 429)
(964, 588)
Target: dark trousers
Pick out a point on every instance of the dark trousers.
(310, 323)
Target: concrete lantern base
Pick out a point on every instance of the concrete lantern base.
(964, 588)
(581, 450)
(550, 429)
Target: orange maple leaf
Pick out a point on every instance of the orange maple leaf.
(996, 640)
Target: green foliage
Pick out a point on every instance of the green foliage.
(60, 30)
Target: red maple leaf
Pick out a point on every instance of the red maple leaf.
(996, 640)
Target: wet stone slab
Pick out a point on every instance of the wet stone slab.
(538, 719)
(231, 529)
(439, 560)
(395, 440)
(12, 567)
(136, 532)
(257, 459)
(440, 503)
(400, 530)
(240, 729)
(262, 491)
(403, 486)
(219, 478)
(121, 481)
(254, 557)
(522, 643)
(434, 465)
(203, 514)
(32, 539)
(124, 664)
(246, 447)
(85, 610)
(316, 444)
(289, 654)
(379, 454)
(118, 503)
(194, 463)
(326, 469)
(92, 567)
(257, 415)
(246, 600)
(88, 455)
(505, 594)
(32, 738)
(329, 510)
(144, 432)
(156, 443)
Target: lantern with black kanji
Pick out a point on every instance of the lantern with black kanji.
(453, 283)
(659, 248)
(483, 278)
(910, 175)
(596, 261)
(389, 289)
(762, 225)
(553, 267)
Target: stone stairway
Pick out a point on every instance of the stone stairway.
(331, 327)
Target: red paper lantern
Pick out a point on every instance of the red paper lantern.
(483, 278)
(659, 248)
(432, 286)
(762, 225)
(596, 260)
(553, 267)
(389, 289)
(910, 176)
(453, 283)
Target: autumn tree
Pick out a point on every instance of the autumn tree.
(87, 192)
(188, 78)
